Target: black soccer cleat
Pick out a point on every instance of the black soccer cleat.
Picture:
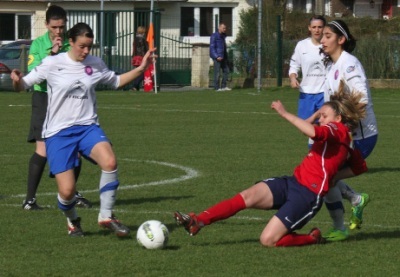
(31, 205)
(82, 202)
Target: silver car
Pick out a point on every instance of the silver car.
(13, 56)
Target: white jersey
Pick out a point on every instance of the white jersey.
(307, 57)
(349, 69)
(70, 90)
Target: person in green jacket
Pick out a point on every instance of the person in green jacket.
(54, 41)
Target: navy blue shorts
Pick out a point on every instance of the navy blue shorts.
(366, 145)
(295, 203)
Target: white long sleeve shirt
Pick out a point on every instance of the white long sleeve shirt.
(307, 58)
(349, 69)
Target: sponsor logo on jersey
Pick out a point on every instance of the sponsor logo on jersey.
(30, 59)
(336, 74)
(88, 70)
(350, 69)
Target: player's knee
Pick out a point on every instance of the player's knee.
(110, 164)
(267, 241)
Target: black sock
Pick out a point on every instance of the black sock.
(37, 164)
(77, 172)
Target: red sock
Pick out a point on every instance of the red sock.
(222, 210)
(294, 239)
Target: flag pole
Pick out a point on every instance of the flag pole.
(152, 44)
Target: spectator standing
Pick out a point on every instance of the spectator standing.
(219, 54)
(139, 49)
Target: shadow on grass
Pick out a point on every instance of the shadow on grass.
(230, 242)
(395, 234)
(138, 201)
(383, 169)
(106, 233)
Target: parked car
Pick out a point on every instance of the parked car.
(13, 55)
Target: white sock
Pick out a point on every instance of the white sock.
(333, 201)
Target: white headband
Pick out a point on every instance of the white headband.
(337, 25)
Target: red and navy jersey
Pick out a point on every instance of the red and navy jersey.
(332, 148)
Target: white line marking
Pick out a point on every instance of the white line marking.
(189, 174)
(192, 111)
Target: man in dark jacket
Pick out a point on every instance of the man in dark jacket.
(220, 57)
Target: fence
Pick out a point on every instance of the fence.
(380, 56)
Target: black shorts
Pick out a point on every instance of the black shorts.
(39, 109)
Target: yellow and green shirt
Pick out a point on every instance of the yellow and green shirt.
(40, 49)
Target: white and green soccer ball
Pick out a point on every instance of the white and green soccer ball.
(152, 234)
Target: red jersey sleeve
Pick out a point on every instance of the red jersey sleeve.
(327, 132)
(356, 162)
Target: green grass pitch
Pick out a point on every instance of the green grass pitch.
(186, 150)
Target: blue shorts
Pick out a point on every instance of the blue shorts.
(63, 148)
(295, 203)
(309, 103)
(366, 145)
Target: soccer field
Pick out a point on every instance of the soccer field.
(185, 151)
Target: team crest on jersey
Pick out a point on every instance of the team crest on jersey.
(88, 70)
(336, 74)
(30, 59)
(350, 69)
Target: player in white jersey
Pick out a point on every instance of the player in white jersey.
(307, 58)
(72, 125)
(338, 43)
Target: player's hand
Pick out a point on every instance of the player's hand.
(149, 58)
(294, 83)
(16, 75)
(57, 44)
(278, 107)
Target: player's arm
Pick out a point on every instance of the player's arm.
(357, 81)
(21, 82)
(213, 47)
(294, 68)
(16, 77)
(355, 165)
(305, 127)
(129, 76)
(313, 117)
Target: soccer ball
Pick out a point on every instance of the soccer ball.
(152, 234)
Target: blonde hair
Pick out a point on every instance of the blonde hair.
(347, 104)
(141, 30)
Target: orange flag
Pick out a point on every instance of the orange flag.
(150, 36)
(148, 84)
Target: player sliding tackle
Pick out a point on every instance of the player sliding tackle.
(299, 197)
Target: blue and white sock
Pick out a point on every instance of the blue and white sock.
(67, 207)
(108, 189)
